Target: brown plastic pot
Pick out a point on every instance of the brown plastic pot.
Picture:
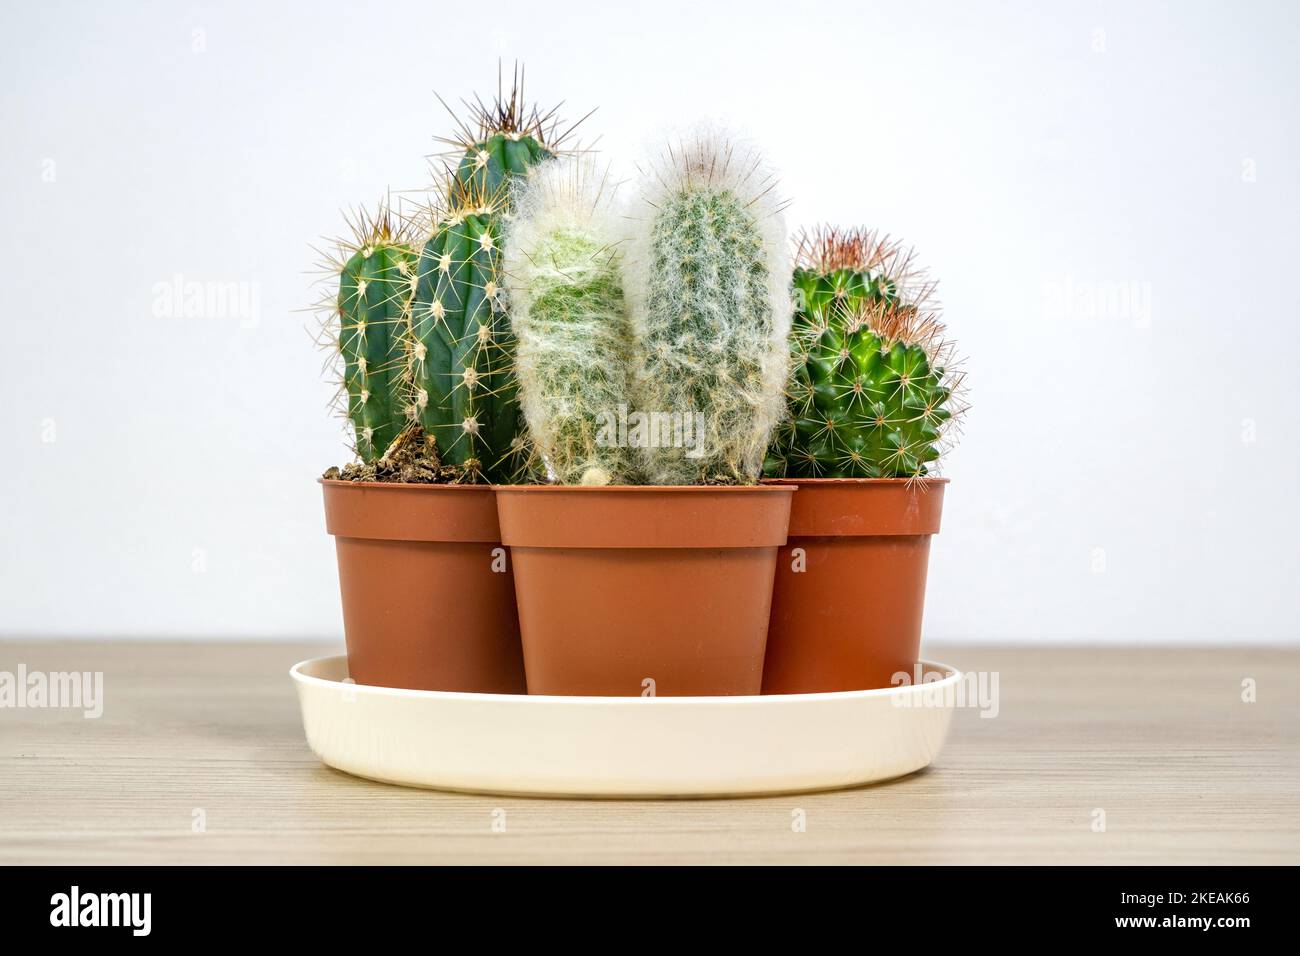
(428, 593)
(644, 591)
(850, 583)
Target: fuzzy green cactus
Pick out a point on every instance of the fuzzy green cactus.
(871, 394)
(569, 316)
(371, 312)
(708, 284)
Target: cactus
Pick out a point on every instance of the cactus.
(492, 165)
(375, 270)
(460, 350)
(567, 308)
(708, 286)
(500, 143)
(871, 393)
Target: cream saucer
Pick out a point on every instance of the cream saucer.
(622, 746)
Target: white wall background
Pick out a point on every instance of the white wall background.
(1107, 191)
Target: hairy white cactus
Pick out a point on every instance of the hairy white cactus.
(708, 282)
(562, 268)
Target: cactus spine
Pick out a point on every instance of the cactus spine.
(567, 307)
(871, 393)
(708, 283)
(371, 313)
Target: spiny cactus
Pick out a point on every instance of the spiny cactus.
(366, 324)
(566, 305)
(708, 281)
(460, 349)
(496, 147)
(871, 394)
(491, 166)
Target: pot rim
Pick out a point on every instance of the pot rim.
(298, 673)
(863, 507)
(675, 517)
(410, 511)
(920, 483)
(585, 489)
(406, 485)
(591, 489)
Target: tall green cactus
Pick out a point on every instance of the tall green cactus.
(569, 316)
(708, 282)
(372, 312)
(869, 395)
(460, 350)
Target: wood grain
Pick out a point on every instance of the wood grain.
(1160, 740)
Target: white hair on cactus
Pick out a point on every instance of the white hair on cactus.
(561, 265)
(708, 284)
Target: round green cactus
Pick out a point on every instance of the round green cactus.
(871, 394)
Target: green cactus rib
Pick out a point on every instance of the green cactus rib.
(373, 297)
(865, 401)
(461, 350)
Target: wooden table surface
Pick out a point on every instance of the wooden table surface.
(199, 757)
